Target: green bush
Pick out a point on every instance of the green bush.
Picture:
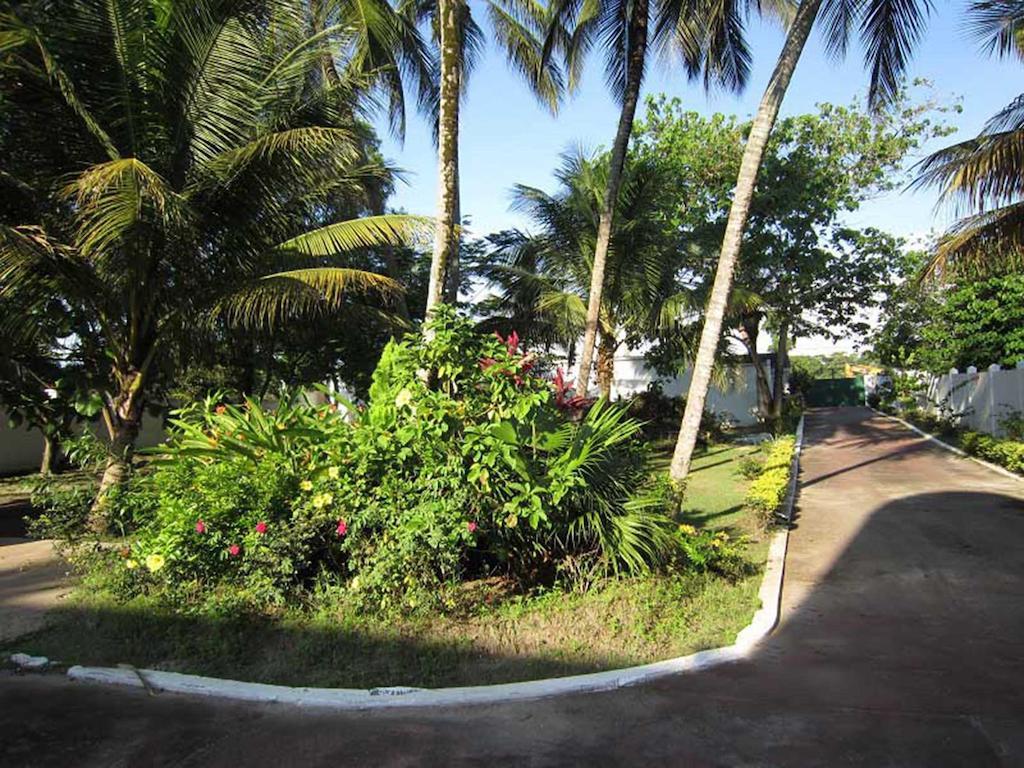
(1006, 453)
(768, 490)
(479, 467)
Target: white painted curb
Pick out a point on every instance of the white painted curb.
(761, 625)
(952, 448)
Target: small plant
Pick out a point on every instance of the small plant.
(750, 466)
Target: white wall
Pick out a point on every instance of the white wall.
(21, 449)
(980, 399)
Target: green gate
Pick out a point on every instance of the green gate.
(832, 392)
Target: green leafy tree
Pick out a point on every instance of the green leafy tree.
(802, 272)
(181, 165)
(975, 322)
(889, 30)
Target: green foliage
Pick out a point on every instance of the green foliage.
(935, 328)
(463, 464)
(768, 490)
(977, 323)
(1005, 453)
(750, 467)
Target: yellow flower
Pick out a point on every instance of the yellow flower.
(306, 485)
(403, 398)
(155, 563)
(689, 530)
(131, 565)
(322, 500)
(332, 472)
(511, 521)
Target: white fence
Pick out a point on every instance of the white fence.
(737, 401)
(978, 400)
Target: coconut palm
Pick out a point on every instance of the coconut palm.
(544, 277)
(985, 175)
(707, 35)
(177, 165)
(889, 29)
(460, 40)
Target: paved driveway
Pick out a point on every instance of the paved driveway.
(901, 644)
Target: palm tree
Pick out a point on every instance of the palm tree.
(544, 277)
(179, 164)
(706, 35)
(985, 175)
(889, 30)
(459, 40)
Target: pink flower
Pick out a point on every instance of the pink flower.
(261, 527)
(234, 550)
(342, 528)
(471, 526)
(220, 409)
(200, 526)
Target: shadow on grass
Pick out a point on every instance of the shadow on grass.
(617, 625)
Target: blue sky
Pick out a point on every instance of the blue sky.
(507, 138)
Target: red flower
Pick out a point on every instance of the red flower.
(234, 550)
(511, 343)
(342, 528)
(471, 526)
(221, 409)
(200, 526)
(261, 527)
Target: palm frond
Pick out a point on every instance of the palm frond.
(367, 232)
(988, 242)
(998, 25)
(270, 301)
(986, 170)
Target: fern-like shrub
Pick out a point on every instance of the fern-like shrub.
(767, 492)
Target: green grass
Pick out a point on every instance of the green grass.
(19, 487)
(511, 637)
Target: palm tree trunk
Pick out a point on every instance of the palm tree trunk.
(51, 453)
(753, 153)
(447, 153)
(451, 278)
(123, 418)
(606, 365)
(634, 78)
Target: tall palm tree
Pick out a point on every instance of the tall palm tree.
(707, 35)
(889, 30)
(544, 277)
(178, 164)
(985, 175)
(460, 40)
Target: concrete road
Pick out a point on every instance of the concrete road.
(901, 644)
(32, 580)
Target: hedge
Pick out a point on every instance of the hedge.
(1005, 453)
(768, 490)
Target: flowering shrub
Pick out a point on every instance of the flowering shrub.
(768, 490)
(464, 463)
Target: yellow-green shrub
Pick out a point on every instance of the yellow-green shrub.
(768, 490)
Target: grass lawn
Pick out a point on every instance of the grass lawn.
(509, 638)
